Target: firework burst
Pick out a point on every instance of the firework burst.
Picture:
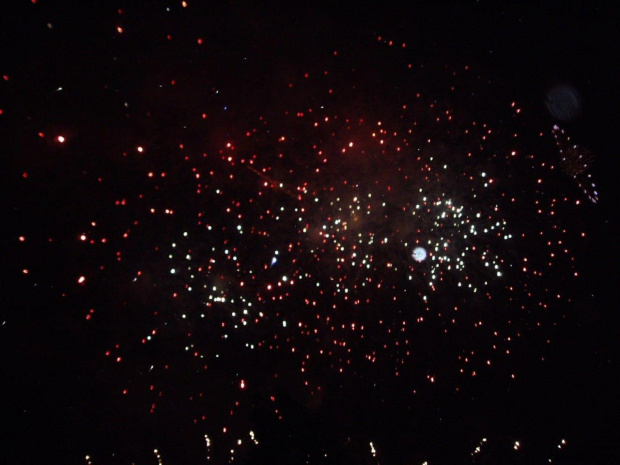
(319, 236)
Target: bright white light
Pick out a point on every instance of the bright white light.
(419, 254)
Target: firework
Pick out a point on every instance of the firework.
(576, 162)
(416, 241)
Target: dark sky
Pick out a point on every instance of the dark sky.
(209, 215)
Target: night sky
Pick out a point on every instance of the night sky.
(251, 233)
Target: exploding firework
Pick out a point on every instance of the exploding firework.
(322, 233)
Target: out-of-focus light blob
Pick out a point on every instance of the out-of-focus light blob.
(419, 254)
(563, 102)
